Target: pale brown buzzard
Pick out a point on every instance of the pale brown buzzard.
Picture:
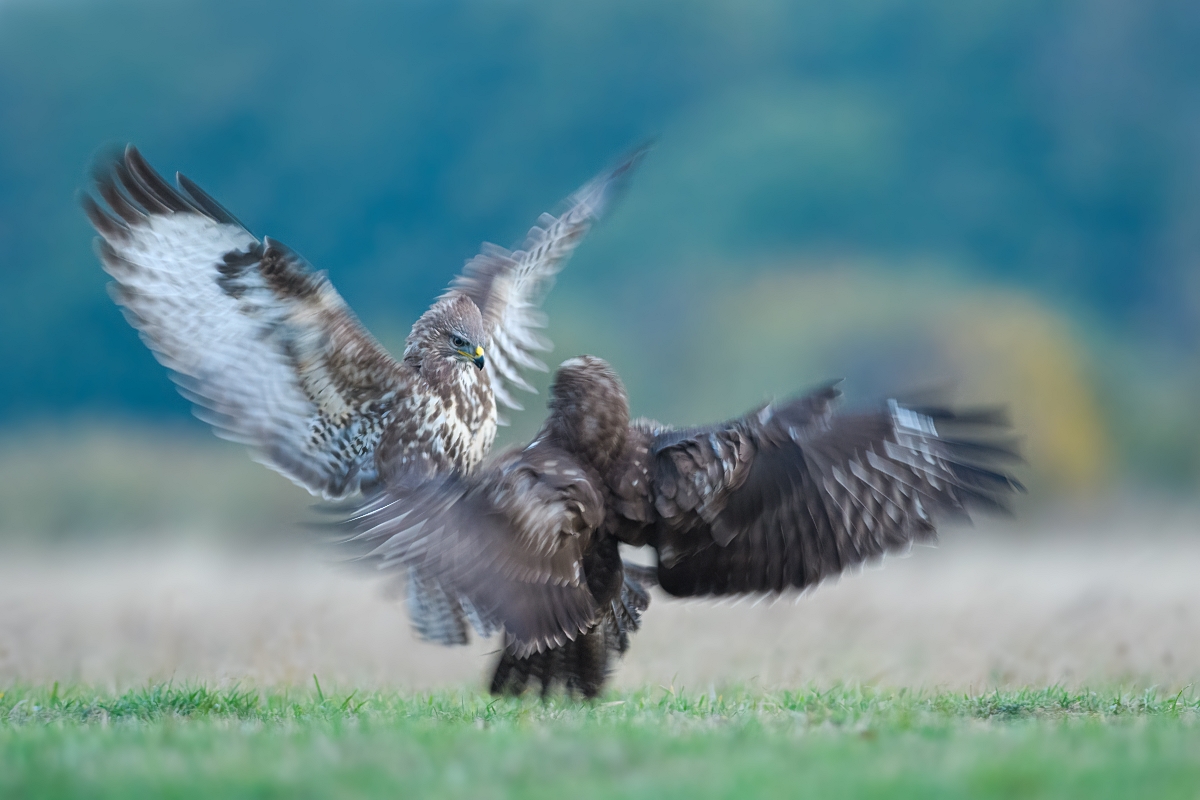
(274, 358)
(771, 502)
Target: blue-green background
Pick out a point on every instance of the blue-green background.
(1004, 195)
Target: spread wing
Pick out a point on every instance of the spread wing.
(263, 345)
(506, 544)
(508, 287)
(786, 496)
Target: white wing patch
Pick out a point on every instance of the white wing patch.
(913, 421)
(265, 348)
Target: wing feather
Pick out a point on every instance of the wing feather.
(790, 494)
(263, 346)
(507, 543)
(509, 286)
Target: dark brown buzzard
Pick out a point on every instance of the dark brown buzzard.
(771, 502)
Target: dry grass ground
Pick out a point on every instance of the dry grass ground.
(1107, 601)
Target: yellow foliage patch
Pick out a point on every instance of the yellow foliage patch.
(992, 346)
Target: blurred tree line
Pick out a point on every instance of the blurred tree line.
(1013, 187)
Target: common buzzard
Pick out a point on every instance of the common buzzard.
(274, 358)
(773, 501)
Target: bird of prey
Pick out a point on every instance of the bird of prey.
(770, 502)
(274, 358)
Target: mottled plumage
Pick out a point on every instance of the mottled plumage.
(773, 501)
(273, 357)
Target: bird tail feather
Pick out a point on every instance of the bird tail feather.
(581, 666)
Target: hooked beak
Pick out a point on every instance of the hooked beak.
(478, 359)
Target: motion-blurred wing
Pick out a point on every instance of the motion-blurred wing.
(784, 497)
(506, 544)
(509, 286)
(264, 346)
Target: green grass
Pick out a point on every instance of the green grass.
(170, 741)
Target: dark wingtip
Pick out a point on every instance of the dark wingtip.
(108, 173)
(204, 201)
(833, 388)
(816, 400)
(612, 184)
(985, 450)
(632, 159)
(969, 436)
(992, 416)
(100, 167)
(147, 181)
(130, 188)
(105, 225)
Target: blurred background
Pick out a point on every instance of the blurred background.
(1001, 199)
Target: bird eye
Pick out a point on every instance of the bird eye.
(458, 341)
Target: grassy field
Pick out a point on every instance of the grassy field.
(145, 645)
(176, 741)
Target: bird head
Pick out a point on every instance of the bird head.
(452, 330)
(465, 350)
(589, 409)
